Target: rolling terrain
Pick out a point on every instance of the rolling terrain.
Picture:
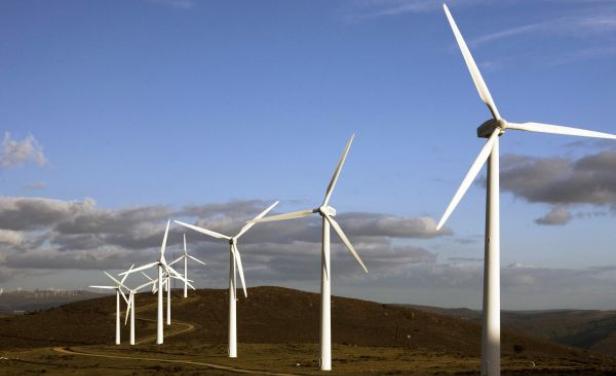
(586, 329)
(278, 332)
(21, 301)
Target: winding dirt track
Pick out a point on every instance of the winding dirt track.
(69, 351)
(187, 327)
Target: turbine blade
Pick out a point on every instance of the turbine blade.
(470, 176)
(187, 281)
(249, 224)
(164, 245)
(334, 179)
(285, 216)
(126, 275)
(147, 276)
(173, 273)
(144, 285)
(170, 272)
(557, 129)
(103, 287)
(181, 278)
(202, 230)
(115, 280)
(238, 262)
(196, 259)
(345, 240)
(143, 267)
(184, 236)
(128, 310)
(176, 260)
(190, 285)
(123, 295)
(480, 84)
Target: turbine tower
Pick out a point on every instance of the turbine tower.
(130, 309)
(234, 260)
(118, 289)
(327, 214)
(167, 288)
(185, 256)
(492, 129)
(163, 268)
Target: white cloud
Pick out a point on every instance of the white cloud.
(16, 153)
(558, 215)
(67, 233)
(10, 237)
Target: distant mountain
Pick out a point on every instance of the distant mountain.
(587, 329)
(23, 301)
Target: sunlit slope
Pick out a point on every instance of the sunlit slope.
(269, 315)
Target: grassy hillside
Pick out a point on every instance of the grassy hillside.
(278, 330)
(270, 315)
(586, 329)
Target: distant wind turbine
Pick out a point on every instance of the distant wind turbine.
(185, 256)
(234, 260)
(130, 310)
(118, 289)
(163, 268)
(327, 214)
(492, 130)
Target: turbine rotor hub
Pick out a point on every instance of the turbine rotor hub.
(327, 210)
(486, 129)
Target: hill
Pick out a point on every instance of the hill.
(22, 301)
(586, 329)
(279, 327)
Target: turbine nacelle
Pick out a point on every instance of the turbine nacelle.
(325, 210)
(488, 127)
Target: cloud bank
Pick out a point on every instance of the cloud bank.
(42, 236)
(44, 233)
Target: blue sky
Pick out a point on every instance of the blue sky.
(171, 103)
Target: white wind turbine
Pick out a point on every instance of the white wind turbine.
(234, 260)
(327, 214)
(163, 268)
(167, 288)
(185, 256)
(167, 284)
(130, 310)
(119, 292)
(492, 129)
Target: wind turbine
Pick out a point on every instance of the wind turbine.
(185, 256)
(163, 267)
(119, 292)
(167, 284)
(167, 289)
(130, 310)
(492, 129)
(234, 260)
(327, 214)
